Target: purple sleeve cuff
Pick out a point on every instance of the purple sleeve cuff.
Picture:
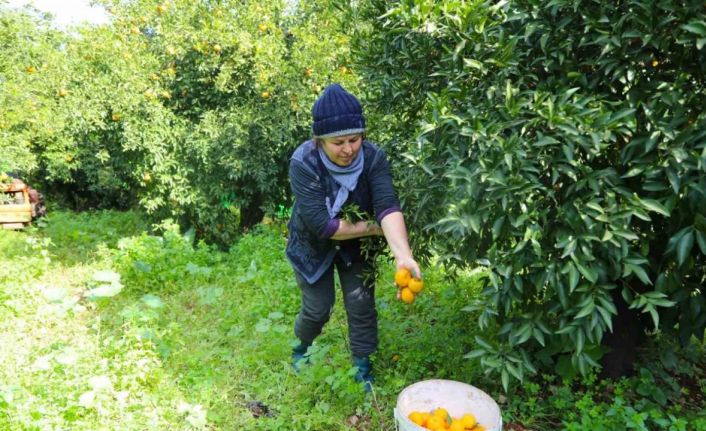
(331, 228)
(390, 210)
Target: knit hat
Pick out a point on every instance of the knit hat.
(337, 113)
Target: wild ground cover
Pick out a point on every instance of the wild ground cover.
(107, 323)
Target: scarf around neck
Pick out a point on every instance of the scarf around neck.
(345, 176)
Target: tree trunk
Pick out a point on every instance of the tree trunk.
(628, 333)
(252, 214)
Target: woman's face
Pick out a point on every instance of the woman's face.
(342, 150)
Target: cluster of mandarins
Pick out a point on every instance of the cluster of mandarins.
(440, 420)
(408, 285)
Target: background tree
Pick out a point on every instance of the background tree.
(190, 109)
(29, 48)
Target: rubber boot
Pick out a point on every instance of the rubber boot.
(365, 372)
(299, 356)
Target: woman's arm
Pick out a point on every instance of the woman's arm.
(347, 230)
(395, 230)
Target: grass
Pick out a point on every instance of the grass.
(197, 338)
(200, 339)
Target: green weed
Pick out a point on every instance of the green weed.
(186, 337)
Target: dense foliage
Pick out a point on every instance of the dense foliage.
(562, 145)
(190, 109)
(28, 45)
(559, 144)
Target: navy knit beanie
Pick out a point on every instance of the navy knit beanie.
(337, 113)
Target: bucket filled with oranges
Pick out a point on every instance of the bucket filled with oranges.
(408, 285)
(436, 405)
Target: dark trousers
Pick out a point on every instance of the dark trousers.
(359, 301)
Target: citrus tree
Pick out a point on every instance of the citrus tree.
(189, 109)
(560, 145)
(26, 42)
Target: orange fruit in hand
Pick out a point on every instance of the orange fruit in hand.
(435, 423)
(407, 296)
(402, 277)
(468, 421)
(425, 417)
(415, 285)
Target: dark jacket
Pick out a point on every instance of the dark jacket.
(310, 248)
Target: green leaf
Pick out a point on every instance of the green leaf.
(263, 325)
(68, 356)
(564, 368)
(622, 114)
(505, 378)
(587, 272)
(608, 305)
(55, 294)
(106, 276)
(105, 291)
(142, 266)
(594, 206)
(696, 27)
(523, 334)
(684, 246)
(484, 344)
(637, 270)
(566, 329)
(673, 179)
(607, 236)
(649, 308)
(561, 291)
(514, 371)
(459, 47)
(152, 301)
(539, 336)
(475, 64)
(639, 213)
(573, 277)
(475, 354)
(586, 310)
(607, 318)
(662, 302)
(474, 222)
(569, 248)
(580, 340)
(653, 205)
(626, 234)
(497, 226)
(275, 315)
(701, 240)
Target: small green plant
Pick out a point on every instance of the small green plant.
(208, 347)
(371, 247)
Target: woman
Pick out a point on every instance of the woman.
(340, 167)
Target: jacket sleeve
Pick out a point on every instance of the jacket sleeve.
(383, 192)
(310, 194)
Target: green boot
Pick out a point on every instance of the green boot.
(299, 356)
(365, 372)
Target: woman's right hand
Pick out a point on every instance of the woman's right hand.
(411, 265)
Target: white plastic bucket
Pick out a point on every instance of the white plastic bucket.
(456, 397)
